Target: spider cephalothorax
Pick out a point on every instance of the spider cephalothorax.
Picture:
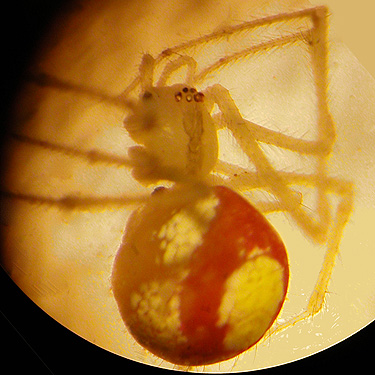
(176, 130)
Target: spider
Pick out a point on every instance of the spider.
(176, 127)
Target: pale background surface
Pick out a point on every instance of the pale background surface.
(353, 24)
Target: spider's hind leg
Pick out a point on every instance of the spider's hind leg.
(69, 201)
(343, 212)
(344, 190)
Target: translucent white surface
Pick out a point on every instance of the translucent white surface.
(62, 259)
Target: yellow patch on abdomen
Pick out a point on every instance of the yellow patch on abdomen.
(252, 298)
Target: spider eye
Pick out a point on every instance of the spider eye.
(178, 97)
(185, 89)
(147, 95)
(199, 97)
(158, 189)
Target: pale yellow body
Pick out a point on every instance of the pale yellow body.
(176, 130)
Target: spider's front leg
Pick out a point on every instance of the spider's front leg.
(266, 173)
(328, 229)
(147, 70)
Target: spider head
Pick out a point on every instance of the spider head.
(174, 128)
(161, 106)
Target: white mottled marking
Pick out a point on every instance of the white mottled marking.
(157, 306)
(181, 235)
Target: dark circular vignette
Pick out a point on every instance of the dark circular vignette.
(32, 340)
(29, 22)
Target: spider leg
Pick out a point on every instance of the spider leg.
(91, 156)
(174, 65)
(271, 179)
(241, 179)
(75, 201)
(237, 177)
(243, 27)
(78, 202)
(144, 164)
(329, 229)
(267, 175)
(244, 180)
(46, 80)
(313, 33)
(179, 194)
(146, 71)
(250, 51)
(301, 32)
(275, 138)
(341, 217)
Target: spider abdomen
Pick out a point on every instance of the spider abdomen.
(199, 281)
